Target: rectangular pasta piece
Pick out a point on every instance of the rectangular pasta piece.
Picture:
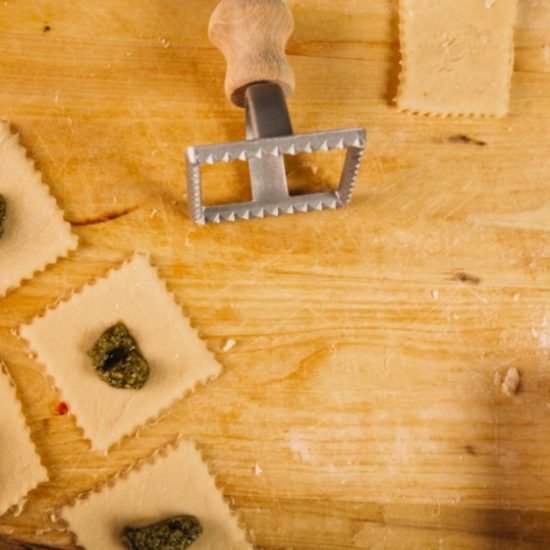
(20, 466)
(177, 357)
(34, 233)
(176, 483)
(457, 56)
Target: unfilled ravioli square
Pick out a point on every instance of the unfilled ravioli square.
(177, 483)
(20, 466)
(34, 231)
(457, 56)
(135, 295)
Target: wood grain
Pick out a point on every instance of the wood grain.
(358, 407)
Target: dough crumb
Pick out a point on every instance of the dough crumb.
(490, 3)
(435, 294)
(18, 509)
(164, 42)
(516, 297)
(511, 382)
(258, 470)
(154, 212)
(229, 344)
(42, 532)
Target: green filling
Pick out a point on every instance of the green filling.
(177, 533)
(118, 359)
(3, 214)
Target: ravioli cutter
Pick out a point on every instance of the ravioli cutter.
(252, 35)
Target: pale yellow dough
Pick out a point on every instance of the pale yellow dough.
(457, 56)
(134, 294)
(20, 467)
(35, 233)
(176, 483)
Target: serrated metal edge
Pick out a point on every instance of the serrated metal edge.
(298, 204)
(354, 140)
(285, 145)
(194, 187)
(352, 164)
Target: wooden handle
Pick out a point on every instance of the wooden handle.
(252, 35)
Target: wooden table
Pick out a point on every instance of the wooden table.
(358, 407)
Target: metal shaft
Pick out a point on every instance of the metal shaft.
(267, 117)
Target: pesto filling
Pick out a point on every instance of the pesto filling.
(118, 360)
(3, 213)
(176, 533)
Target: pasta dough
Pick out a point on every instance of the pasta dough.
(134, 294)
(177, 483)
(457, 56)
(20, 467)
(35, 233)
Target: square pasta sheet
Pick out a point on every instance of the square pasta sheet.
(457, 56)
(177, 483)
(20, 466)
(177, 357)
(35, 233)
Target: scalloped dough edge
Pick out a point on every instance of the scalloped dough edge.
(44, 476)
(30, 274)
(164, 410)
(435, 114)
(136, 467)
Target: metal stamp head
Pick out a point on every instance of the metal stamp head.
(260, 83)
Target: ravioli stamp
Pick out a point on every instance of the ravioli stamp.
(457, 57)
(176, 358)
(33, 233)
(174, 484)
(20, 466)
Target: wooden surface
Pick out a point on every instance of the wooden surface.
(358, 407)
